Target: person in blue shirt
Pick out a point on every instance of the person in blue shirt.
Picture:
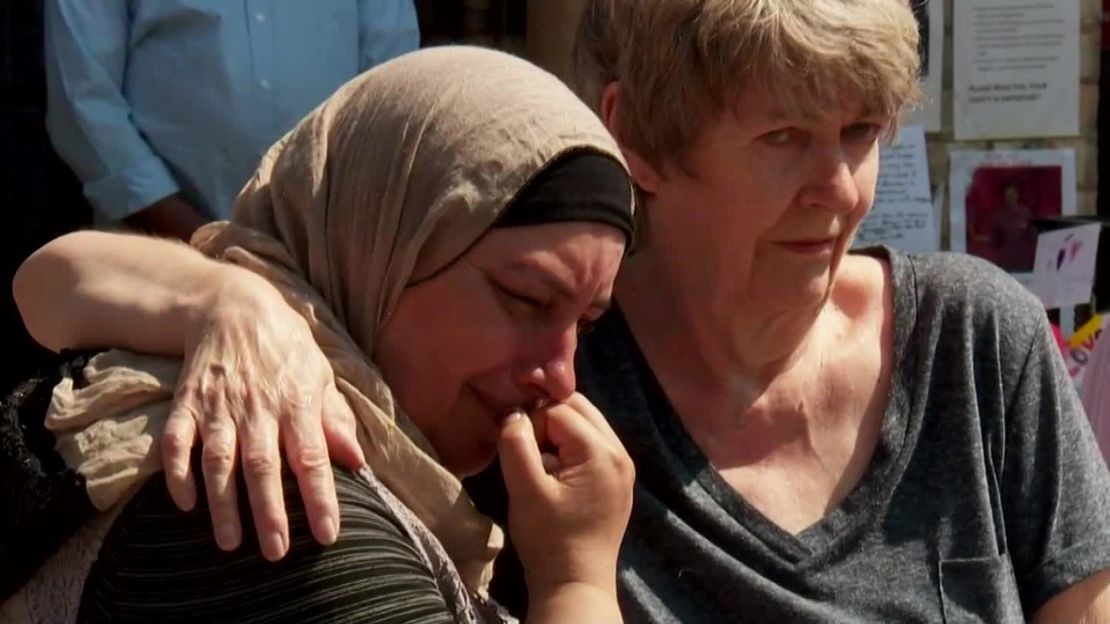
(163, 108)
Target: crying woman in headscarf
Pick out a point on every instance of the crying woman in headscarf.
(444, 226)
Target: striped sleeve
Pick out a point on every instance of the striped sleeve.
(159, 564)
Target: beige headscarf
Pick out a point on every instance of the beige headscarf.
(383, 185)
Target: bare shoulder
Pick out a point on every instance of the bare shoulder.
(864, 289)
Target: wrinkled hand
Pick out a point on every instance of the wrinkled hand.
(568, 506)
(253, 382)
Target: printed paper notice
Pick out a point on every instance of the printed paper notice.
(1064, 273)
(1018, 74)
(903, 214)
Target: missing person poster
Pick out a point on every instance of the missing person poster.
(997, 196)
(1018, 74)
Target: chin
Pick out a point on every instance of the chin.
(464, 437)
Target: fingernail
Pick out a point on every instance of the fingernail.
(273, 546)
(513, 416)
(551, 463)
(330, 531)
(227, 536)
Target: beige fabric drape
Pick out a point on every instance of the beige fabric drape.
(385, 184)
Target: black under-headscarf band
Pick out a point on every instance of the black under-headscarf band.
(580, 186)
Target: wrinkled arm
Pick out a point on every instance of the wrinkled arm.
(96, 289)
(251, 369)
(1086, 602)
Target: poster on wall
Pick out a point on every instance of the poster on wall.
(995, 197)
(1018, 74)
(930, 29)
(902, 215)
(1064, 273)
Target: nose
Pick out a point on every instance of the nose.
(832, 184)
(548, 372)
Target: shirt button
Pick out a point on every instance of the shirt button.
(260, 17)
(265, 84)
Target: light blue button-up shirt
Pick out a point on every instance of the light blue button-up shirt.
(147, 98)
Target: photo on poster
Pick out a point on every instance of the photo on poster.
(997, 196)
(930, 28)
(1001, 205)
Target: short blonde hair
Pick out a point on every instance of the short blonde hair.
(679, 62)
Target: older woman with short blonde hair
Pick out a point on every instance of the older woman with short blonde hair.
(820, 435)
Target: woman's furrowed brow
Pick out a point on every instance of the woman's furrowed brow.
(559, 285)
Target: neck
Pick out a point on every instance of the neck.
(725, 352)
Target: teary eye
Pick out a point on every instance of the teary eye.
(517, 301)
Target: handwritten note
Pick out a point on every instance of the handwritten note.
(903, 215)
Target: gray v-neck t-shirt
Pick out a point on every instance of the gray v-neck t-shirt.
(986, 494)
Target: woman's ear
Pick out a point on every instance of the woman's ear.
(643, 173)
